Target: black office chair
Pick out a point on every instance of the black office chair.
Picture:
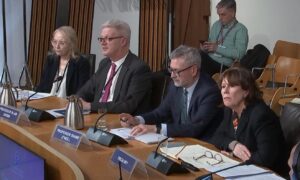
(92, 60)
(160, 82)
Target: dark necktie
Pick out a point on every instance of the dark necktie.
(105, 95)
(183, 114)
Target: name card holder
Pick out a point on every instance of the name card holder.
(14, 115)
(69, 137)
(130, 164)
(104, 137)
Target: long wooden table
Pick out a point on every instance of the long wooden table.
(94, 160)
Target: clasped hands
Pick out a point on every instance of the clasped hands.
(209, 46)
(128, 120)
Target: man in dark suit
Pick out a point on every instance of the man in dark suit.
(122, 81)
(190, 108)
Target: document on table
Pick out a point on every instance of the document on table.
(57, 113)
(38, 95)
(195, 155)
(248, 172)
(148, 138)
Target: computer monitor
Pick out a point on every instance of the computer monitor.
(17, 162)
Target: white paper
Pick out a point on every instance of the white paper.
(190, 152)
(57, 113)
(148, 138)
(295, 100)
(247, 172)
(38, 95)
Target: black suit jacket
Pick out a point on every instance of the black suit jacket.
(260, 131)
(203, 110)
(77, 74)
(132, 89)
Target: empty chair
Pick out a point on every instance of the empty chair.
(285, 79)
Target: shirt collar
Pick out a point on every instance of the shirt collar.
(190, 89)
(119, 62)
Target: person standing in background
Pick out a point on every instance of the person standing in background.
(65, 70)
(227, 42)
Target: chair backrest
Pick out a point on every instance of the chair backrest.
(286, 66)
(160, 82)
(288, 49)
(92, 60)
(290, 123)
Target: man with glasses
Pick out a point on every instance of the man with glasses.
(227, 41)
(190, 108)
(122, 82)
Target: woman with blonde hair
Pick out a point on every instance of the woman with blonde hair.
(65, 70)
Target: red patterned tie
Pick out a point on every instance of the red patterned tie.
(105, 95)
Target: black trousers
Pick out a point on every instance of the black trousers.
(209, 66)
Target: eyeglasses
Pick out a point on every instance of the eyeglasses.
(177, 72)
(60, 43)
(208, 154)
(108, 39)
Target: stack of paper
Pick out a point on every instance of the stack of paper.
(148, 138)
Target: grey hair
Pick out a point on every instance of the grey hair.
(120, 26)
(228, 4)
(71, 38)
(190, 55)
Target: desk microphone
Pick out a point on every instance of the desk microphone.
(158, 145)
(208, 176)
(104, 137)
(164, 164)
(36, 114)
(98, 119)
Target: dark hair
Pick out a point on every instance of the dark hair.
(238, 76)
(228, 4)
(296, 161)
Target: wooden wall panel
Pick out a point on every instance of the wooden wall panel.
(81, 18)
(153, 37)
(190, 22)
(42, 25)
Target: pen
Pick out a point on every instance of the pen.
(189, 166)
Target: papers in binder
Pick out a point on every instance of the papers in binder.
(199, 156)
(148, 138)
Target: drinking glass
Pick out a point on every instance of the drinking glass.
(24, 94)
(102, 121)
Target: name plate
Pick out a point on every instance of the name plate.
(69, 136)
(127, 161)
(9, 113)
(13, 115)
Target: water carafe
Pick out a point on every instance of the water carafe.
(73, 115)
(7, 96)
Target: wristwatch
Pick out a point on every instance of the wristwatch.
(158, 128)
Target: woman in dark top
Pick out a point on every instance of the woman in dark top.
(65, 71)
(250, 130)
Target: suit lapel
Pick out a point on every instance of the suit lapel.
(69, 73)
(243, 122)
(120, 80)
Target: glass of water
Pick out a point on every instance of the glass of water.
(102, 125)
(24, 94)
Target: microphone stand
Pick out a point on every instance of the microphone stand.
(5, 73)
(120, 171)
(25, 69)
